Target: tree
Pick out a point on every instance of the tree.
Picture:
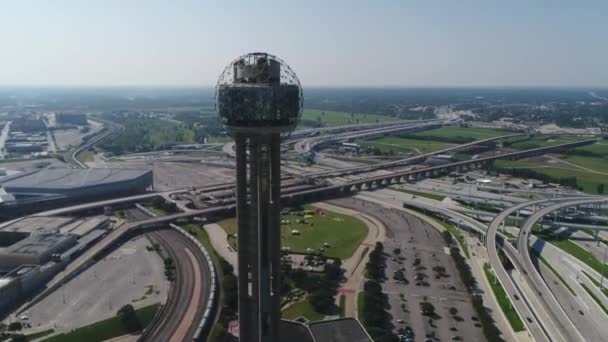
(128, 318)
(397, 251)
(15, 326)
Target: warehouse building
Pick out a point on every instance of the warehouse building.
(36, 249)
(56, 187)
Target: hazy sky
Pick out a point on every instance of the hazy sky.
(375, 42)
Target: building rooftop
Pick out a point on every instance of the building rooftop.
(34, 223)
(5, 280)
(62, 178)
(337, 330)
(35, 244)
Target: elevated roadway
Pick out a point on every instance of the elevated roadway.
(546, 329)
(569, 331)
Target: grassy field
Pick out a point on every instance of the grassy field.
(599, 148)
(39, 335)
(503, 301)
(331, 118)
(86, 156)
(302, 309)
(404, 145)
(360, 305)
(106, 329)
(465, 132)
(457, 234)
(543, 142)
(574, 250)
(344, 233)
(588, 181)
(342, 306)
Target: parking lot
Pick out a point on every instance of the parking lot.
(129, 275)
(428, 276)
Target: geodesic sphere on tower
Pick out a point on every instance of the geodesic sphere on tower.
(258, 92)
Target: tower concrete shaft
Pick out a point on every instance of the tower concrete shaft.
(258, 172)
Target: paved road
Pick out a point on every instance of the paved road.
(558, 315)
(189, 292)
(536, 322)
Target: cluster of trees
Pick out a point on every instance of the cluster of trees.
(144, 134)
(374, 314)
(322, 288)
(12, 332)
(488, 325)
(128, 318)
(169, 269)
(376, 264)
(528, 173)
(229, 303)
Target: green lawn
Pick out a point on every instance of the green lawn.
(599, 148)
(457, 234)
(404, 145)
(594, 163)
(360, 305)
(302, 309)
(38, 335)
(504, 301)
(466, 132)
(574, 250)
(86, 156)
(106, 329)
(342, 306)
(332, 118)
(588, 181)
(344, 233)
(541, 141)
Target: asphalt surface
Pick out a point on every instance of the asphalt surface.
(558, 315)
(418, 240)
(179, 307)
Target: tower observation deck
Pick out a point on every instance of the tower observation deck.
(259, 101)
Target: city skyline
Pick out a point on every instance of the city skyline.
(154, 43)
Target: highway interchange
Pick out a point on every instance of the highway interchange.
(545, 318)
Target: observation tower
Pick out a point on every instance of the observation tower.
(259, 101)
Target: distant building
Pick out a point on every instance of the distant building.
(23, 147)
(55, 187)
(71, 119)
(440, 159)
(36, 249)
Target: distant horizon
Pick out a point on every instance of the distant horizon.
(342, 43)
(359, 86)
